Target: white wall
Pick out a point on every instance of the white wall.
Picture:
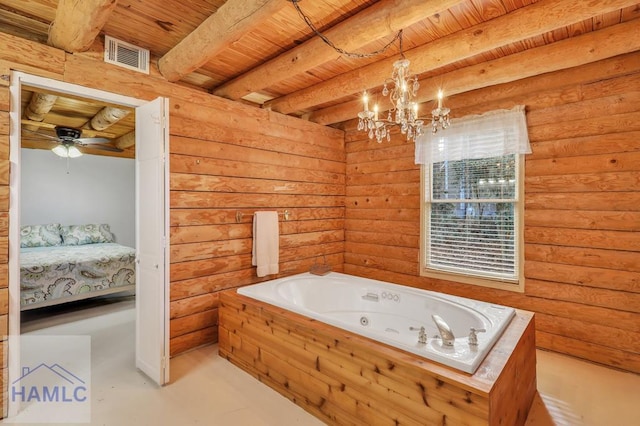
(96, 189)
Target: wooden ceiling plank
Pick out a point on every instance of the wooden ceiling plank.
(41, 10)
(77, 23)
(629, 13)
(489, 9)
(230, 22)
(380, 20)
(530, 21)
(584, 49)
(580, 28)
(29, 24)
(607, 19)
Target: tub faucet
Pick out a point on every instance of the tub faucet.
(445, 331)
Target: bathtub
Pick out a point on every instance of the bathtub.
(343, 377)
(391, 314)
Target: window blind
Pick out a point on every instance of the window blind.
(471, 221)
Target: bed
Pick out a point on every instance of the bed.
(60, 264)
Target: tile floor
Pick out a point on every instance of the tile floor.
(207, 390)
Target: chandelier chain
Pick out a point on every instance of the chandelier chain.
(325, 39)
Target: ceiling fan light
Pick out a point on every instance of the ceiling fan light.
(74, 152)
(60, 151)
(65, 151)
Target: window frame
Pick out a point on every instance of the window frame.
(511, 285)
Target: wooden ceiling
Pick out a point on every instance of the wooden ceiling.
(38, 127)
(261, 52)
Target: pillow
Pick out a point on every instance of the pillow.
(75, 235)
(40, 235)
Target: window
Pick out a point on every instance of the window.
(472, 204)
(471, 219)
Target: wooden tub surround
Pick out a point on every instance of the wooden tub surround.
(346, 379)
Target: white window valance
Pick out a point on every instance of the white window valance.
(493, 134)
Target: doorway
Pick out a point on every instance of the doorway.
(152, 310)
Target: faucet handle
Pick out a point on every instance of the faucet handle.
(422, 334)
(473, 336)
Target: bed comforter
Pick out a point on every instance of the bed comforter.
(48, 273)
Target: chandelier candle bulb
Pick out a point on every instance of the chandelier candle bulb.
(440, 96)
(402, 90)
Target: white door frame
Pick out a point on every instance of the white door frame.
(19, 79)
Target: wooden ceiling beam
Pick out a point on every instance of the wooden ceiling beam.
(106, 117)
(378, 21)
(78, 22)
(39, 105)
(572, 52)
(530, 21)
(126, 141)
(230, 22)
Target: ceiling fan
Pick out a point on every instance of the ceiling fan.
(69, 139)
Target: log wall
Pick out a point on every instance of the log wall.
(223, 163)
(582, 209)
(224, 157)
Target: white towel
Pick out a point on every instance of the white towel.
(266, 243)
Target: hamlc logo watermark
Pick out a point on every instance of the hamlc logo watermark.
(55, 384)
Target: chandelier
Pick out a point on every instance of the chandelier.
(404, 106)
(403, 95)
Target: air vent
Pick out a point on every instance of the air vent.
(126, 55)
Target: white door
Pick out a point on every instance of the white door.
(152, 281)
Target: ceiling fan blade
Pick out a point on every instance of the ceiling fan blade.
(106, 148)
(91, 141)
(33, 132)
